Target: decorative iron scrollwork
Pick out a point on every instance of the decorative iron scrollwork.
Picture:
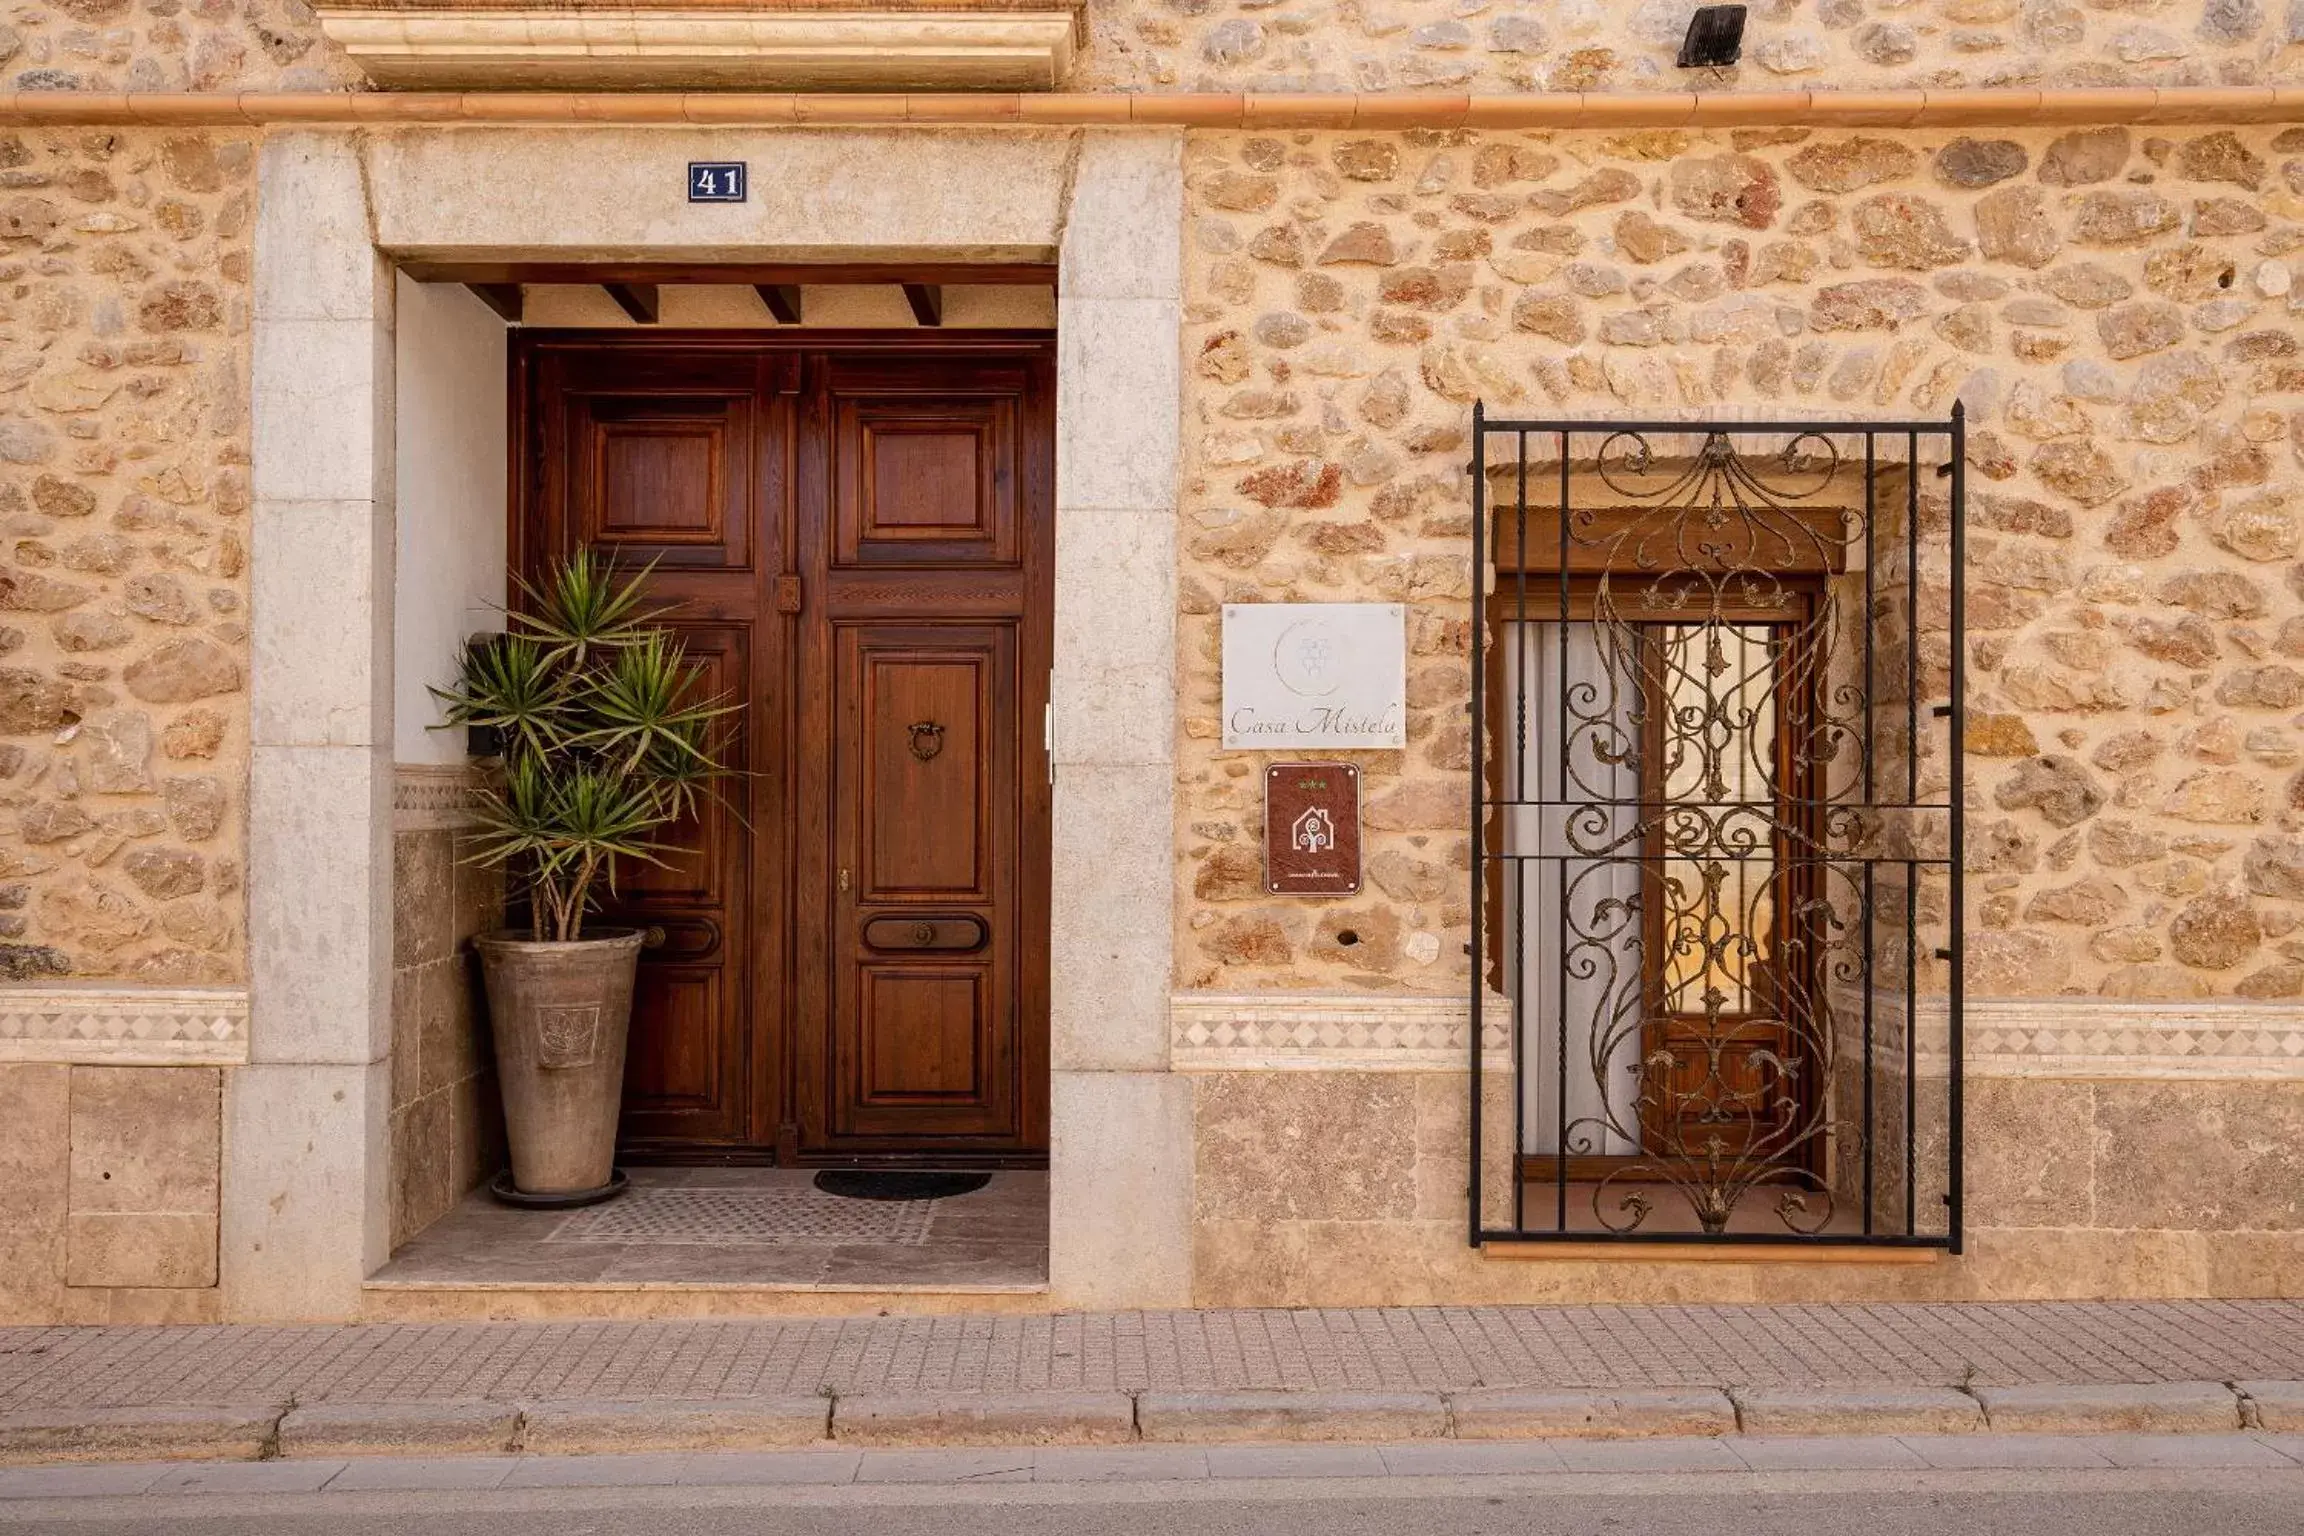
(1715, 815)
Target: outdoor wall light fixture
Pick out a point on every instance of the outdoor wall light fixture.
(1715, 37)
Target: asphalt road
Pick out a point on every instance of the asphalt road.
(2120, 1502)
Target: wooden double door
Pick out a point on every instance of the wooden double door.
(848, 957)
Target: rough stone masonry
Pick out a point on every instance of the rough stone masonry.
(124, 265)
(2114, 306)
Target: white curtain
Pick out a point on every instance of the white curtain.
(1575, 684)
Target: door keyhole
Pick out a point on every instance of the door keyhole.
(843, 879)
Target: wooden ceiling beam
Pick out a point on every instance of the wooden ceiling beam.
(507, 299)
(739, 274)
(927, 301)
(782, 299)
(641, 301)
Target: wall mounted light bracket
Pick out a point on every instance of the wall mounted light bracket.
(1715, 37)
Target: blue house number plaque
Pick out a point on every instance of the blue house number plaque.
(715, 181)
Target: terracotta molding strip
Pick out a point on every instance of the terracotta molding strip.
(1900, 109)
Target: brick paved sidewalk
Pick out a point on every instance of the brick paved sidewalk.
(1425, 1349)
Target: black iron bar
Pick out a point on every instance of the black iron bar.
(1701, 428)
(1480, 567)
(1869, 620)
(1956, 747)
(1761, 1239)
(1911, 1043)
(1560, 875)
(1911, 794)
(1870, 1065)
(1521, 651)
(1912, 618)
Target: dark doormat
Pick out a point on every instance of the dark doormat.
(898, 1183)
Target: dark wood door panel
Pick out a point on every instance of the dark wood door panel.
(926, 482)
(663, 479)
(926, 1056)
(673, 1067)
(921, 703)
(925, 1043)
(856, 530)
(929, 612)
(666, 460)
(663, 451)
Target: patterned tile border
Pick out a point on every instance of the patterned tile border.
(2006, 1037)
(124, 1026)
(427, 795)
(2094, 1037)
(1282, 1031)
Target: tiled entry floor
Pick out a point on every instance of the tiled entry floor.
(742, 1226)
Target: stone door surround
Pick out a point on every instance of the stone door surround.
(305, 1200)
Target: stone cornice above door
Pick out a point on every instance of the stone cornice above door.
(1008, 45)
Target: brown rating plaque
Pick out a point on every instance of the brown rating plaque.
(1312, 829)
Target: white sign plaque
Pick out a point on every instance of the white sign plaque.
(1315, 675)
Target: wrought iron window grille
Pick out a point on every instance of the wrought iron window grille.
(1716, 831)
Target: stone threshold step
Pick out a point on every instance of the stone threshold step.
(265, 1431)
(415, 1301)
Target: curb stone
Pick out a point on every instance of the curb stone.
(976, 1418)
(399, 1429)
(2273, 1405)
(2106, 1408)
(581, 1426)
(578, 1426)
(1856, 1411)
(1520, 1413)
(209, 1432)
(1284, 1415)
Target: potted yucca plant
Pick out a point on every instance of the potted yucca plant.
(604, 739)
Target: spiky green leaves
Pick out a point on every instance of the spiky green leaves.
(581, 608)
(647, 716)
(509, 684)
(606, 737)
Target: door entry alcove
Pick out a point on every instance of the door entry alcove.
(848, 954)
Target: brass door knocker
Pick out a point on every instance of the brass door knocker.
(927, 739)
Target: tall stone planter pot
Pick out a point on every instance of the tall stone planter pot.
(561, 1014)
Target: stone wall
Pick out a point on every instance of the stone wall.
(108, 1193)
(447, 1125)
(169, 45)
(1349, 45)
(1347, 1189)
(1593, 45)
(2114, 307)
(124, 271)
